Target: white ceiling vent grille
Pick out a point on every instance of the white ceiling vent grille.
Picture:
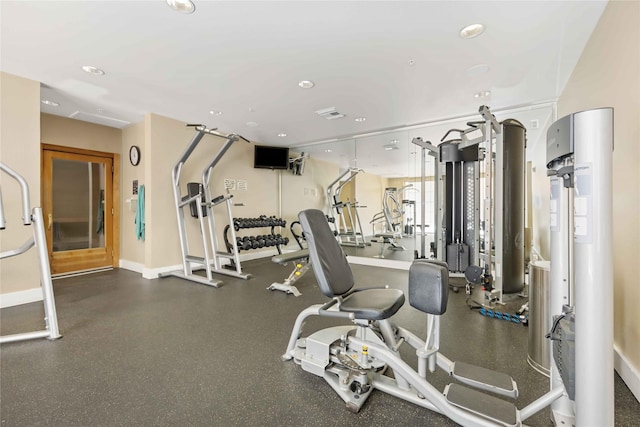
(98, 119)
(330, 113)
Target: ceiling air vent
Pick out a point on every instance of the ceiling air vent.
(99, 119)
(330, 113)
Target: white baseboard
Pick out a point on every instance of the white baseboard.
(627, 372)
(21, 297)
(154, 273)
(130, 265)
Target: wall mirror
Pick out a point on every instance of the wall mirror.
(390, 163)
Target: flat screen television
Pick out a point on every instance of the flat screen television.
(266, 157)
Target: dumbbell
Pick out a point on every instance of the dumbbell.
(243, 244)
(254, 243)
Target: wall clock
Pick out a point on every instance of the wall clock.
(134, 155)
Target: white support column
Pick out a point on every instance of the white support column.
(593, 139)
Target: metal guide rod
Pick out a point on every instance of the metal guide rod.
(426, 148)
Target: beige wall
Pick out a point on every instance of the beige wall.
(19, 150)
(131, 248)
(162, 141)
(58, 130)
(608, 75)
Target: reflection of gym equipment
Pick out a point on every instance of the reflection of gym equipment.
(347, 224)
(32, 217)
(354, 359)
(391, 219)
(482, 206)
(201, 205)
(579, 161)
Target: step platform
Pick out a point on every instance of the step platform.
(485, 379)
(484, 405)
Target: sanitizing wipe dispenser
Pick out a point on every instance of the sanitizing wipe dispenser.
(579, 162)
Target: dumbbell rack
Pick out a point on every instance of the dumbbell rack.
(259, 241)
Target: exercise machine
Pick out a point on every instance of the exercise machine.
(201, 204)
(33, 218)
(300, 259)
(482, 174)
(347, 224)
(427, 149)
(353, 359)
(579, 163)
(391, 219)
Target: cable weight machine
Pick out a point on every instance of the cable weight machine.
(481, 180)
(201, 205)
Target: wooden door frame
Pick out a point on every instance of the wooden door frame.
(115, 238)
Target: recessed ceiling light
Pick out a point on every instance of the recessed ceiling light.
(411, 62)
(50, 103)
(482, 94)
(394, 141)
(215, 113)
(471, 31)
(182, 6)
(328, 150)
(306, 84)
(93, 70)
(282, 134)
(252, 124)
(360, 119)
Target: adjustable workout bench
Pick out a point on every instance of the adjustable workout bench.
(388, 239)
(301, 260)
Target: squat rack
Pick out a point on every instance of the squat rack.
(201, 202)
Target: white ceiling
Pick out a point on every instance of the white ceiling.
(246, 59)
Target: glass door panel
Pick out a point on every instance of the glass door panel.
(78, 205)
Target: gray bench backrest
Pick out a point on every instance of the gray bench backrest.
(429, 286)
(329, 262)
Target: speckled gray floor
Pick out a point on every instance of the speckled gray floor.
(171, 352)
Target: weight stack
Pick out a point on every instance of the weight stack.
(458, 256)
